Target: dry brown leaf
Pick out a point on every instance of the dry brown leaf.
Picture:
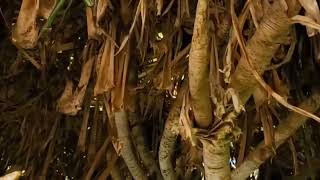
(243, 141)
(121, 70)
(238, 106)
(311, 7)
(93, 31)
(65, 102)
(310, 31)
(83, 83)
(46, 7)
(306, 21)
(143, 14)
(267, 124)
(159, 5)
(105, 77)
(71, 101)
(101, 9)
(185, 120)
(312, 11)
(25, 33)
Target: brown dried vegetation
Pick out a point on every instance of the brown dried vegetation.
(177, 89)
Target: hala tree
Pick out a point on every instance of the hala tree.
(160, 89)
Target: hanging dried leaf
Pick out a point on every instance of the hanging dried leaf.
(93, 31)
(143, 14)
(312, 11)
(267, 124)
(46, 8)
(306, 21)
(185, 120)
(105, 76)
(159, 4)
(71, 101)
(312, 8)
(83, 83)
(65, 103)
(101, 9)
(121, 69)
(25, 33)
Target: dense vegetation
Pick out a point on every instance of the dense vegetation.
(160, 89)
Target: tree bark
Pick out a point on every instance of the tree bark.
(127, 151)
(199, 67)
(271, 32)
(168, 140)
(285, 129)
(216, 157)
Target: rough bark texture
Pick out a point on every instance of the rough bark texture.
(126, 151)
(216, 151)
(286, 129)
(272, 32)
(168, 140)
(199, 68)
(216, 160)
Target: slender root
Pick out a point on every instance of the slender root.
(199, 68)
(168, 140)
(127, 151)
(286, 129)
